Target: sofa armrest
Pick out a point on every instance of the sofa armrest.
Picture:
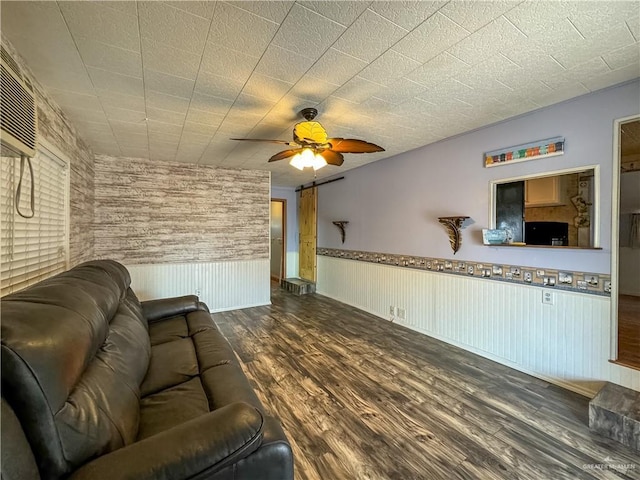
(168, 307)
(200, 446)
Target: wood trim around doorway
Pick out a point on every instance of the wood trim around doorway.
(284, 235)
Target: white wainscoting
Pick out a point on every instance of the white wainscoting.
(221, 285)
(567, 343)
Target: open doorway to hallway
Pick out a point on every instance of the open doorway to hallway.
(278, 234)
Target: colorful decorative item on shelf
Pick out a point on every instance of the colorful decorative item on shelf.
(453, 226)
(521, 153)
(341, 224)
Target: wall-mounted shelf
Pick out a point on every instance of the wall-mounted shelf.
(541, 246)
(453, 226)
(341, 224)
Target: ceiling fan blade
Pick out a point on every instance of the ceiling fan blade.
(332, 158)
(260, 140)
(350, 145)
(285, 154)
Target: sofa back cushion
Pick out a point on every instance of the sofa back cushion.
(75, 349)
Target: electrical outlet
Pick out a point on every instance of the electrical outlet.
(470, 269)
(198, 292)
(549, 281)
(528, 277)
(515, 271)
(402, 314)
(392, 310)
(539, 273)
(548, 298)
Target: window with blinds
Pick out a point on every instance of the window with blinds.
(33, 248)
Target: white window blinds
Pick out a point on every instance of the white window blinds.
(33, 248)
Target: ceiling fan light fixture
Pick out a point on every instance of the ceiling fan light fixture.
(307, 159)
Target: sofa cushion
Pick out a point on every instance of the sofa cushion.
(171, 407)
(74, 352)
(171, 364)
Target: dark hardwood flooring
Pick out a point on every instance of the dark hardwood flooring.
(362, 398)
(629, 331)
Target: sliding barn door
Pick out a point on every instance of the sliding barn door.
(307, 219)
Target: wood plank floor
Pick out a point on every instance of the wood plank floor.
(362, 398)
(629, 330)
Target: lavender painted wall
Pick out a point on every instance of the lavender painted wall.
(290, 195)
(392, 205)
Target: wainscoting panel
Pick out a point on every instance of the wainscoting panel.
(566, 343)
(221, 285)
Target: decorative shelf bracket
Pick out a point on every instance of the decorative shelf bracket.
(341, 225)
(453, 226)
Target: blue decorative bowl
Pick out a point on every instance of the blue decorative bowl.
(494, 236)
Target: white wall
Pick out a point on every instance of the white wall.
(290, 195)
(566, 343)
(392, 207)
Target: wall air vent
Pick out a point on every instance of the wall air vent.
(18, 113)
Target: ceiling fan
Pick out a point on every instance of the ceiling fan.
(313, 147)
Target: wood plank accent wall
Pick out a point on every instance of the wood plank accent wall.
(567, 343)
(55, 128)
(163, 212)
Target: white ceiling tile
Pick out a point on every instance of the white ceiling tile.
(189, 154)
(438, 69)
(445, 91)
(200, 128)
(400, 90)
(97, 21)
(192, 138)
(271, 10)
(622, 57)
(283, 64)
(535, 62)
(165, 116)
(211, 104)
(432, 37)
(592, 18)
(108, 57)
(101, 127)
(218, 86)
(613, 77)
(473, 15)
(343, 12)
(162, 23)
(226, 62)
(167, 102)
(132, 139)
(251, 105)
(407, 14)
(313, 88)
(118, 100)
(271, 89)
(85, 114)
(307, 32)
(125, 6)
(389, 67)
(72, 99)
(169, 138)
(114, 82)
(557, 96)
(124, 114)
(204, 117)
(104, 136)
(164, 58)
(592, 68)
(634, 28)
(126, 128)
(168, 84)
(134, 152)
(369, 36)
(336, 67)
(202, 9)
(532, 18)
(580, 51)
(357, 90)
(161, 127)
(240, 30)
(487, 41)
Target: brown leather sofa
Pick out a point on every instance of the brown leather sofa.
(97, 385)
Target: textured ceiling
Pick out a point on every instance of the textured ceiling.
(175, 80)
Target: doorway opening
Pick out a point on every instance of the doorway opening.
(278, 235)
(625, 265)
